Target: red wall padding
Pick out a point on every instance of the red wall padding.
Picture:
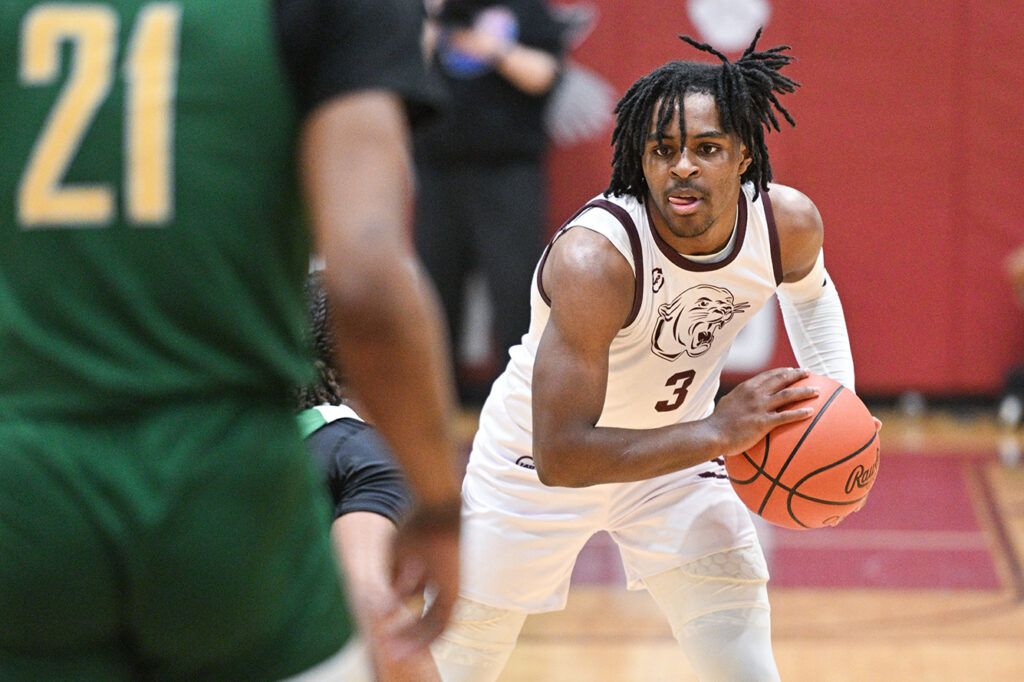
(909, 138)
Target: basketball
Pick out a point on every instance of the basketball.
(814, 472)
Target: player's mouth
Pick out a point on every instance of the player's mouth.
(684, 204)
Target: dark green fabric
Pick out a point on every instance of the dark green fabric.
(101, 314)
(119, 565)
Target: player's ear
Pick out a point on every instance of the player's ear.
(745, 160)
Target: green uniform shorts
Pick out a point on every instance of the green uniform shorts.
(188, 543)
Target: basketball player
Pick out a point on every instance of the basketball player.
(369, 498)
(605, 417)
(160, 517)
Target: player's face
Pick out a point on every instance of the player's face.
(693, 184)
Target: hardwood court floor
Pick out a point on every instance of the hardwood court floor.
(928, 586)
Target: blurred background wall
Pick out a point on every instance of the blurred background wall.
(909, 138)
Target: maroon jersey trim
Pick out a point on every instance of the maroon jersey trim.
(626, 220)
(773, 237)
(685, 263)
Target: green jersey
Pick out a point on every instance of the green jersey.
(150, 242)
(152, 326)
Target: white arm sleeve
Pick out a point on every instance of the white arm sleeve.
(816, 326)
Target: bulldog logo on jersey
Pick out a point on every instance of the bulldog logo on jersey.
(689, 323)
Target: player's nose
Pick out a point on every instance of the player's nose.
(685, 166)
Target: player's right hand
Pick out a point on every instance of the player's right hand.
(745, 414)
(426, 557)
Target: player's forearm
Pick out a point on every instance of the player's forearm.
(816, 326)
(362, 542)
(570, 451)
(595, 455)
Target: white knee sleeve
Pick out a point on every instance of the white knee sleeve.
(477, 643)
(718, 609)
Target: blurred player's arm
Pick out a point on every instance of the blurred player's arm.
(355, 167)
(811, 309)
(591, 286)
(363, 542)
(370, 497)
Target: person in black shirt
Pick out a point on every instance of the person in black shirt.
(481, 205)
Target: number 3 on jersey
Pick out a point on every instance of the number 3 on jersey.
(680, 382)
(149, 72)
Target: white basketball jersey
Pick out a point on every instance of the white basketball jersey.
(665, 363)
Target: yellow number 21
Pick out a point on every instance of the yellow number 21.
(150, 69)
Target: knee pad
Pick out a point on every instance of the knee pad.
(477, 642)
(718, 609)
(742, 564)
(726, 580)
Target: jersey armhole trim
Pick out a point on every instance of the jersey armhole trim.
(773, 237)
(627, 223)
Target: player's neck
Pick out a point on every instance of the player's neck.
(720, 254)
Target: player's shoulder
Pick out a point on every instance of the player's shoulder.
(585, 250)
(794, 211)
(611, 224)
(589, 253)
(799, 227)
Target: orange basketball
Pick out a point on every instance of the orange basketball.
(811, 473)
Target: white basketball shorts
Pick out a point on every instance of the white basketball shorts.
(520, 538)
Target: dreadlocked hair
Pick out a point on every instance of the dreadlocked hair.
(328, 387)
(745, 91)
